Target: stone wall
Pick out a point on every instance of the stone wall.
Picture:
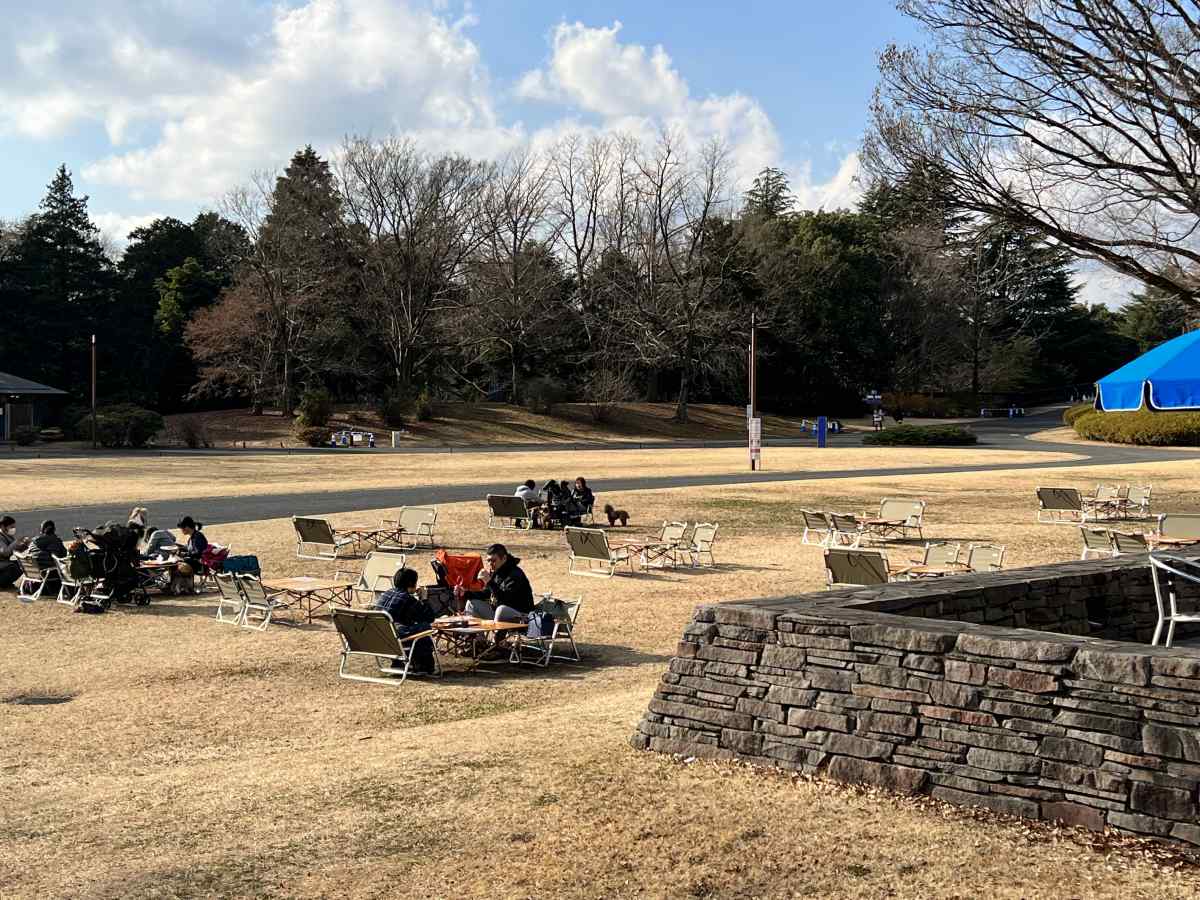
(1048, 726)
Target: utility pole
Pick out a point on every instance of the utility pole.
(93, 392)
(753, 409)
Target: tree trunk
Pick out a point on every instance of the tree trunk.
(681, 407)
(513, 393)
(285, 400)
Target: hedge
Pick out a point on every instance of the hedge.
(313, 436)
(121, 425)
(1158, 429)
(1071, 413)
(922, 435)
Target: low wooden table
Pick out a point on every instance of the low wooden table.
(920, 570)
(882, 527)
(308, 595)
(459, 636)
(374, 535)
(1157, 540)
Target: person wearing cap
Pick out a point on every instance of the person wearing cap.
(507, 595)
(189, 555)
(10, 570)
(47, 545)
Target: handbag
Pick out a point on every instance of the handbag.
(540, 625)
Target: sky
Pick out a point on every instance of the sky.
(159, 107)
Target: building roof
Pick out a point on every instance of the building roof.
(11, 384)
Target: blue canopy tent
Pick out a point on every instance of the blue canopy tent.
(1165, 378)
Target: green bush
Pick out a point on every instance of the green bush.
(315, 408)
(25, 435)
(1158, 429)
(121, 425)
(922, 435)
(543, 393)
(393, 408)
(1071, 413)
(423, 407)
(313, 435)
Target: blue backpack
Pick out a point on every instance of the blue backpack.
(242, 565)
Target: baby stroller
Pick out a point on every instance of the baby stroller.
(113, 555)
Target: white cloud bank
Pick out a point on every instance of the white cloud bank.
(192, 100)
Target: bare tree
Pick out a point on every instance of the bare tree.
(514, 274)
(415, 221)
(683, 244)
(1077, 119)
(236, 353)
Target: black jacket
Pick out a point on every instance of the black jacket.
(45, 546)
(405, 609)
(508, 587)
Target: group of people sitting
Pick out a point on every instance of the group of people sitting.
(151, 543)
(558, 503)
(506, 596)
(45, 545)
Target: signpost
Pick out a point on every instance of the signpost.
(755, 444)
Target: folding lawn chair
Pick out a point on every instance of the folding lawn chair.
(1123, 543)
(76, 580)
(844, 530)
(316, 539)
(507, 511)
(231, 602)
(257, 600)
(1179, 526)
(591, 554)
(1097, 543)
(379, 568)
(1138, 500)
(539, 650)
(704, 535)
(1166, 570)
(1107, 502)
(815, 523)
(1060, 505)
(414, 526)
(35, 577)
(371, 633)
(942, 553)
(845, 566)
(672, 541)
(985, 557)
(898, 517)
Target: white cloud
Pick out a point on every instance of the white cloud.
(842, 191)
(636, 90)
(1100, 286)
(115, 227)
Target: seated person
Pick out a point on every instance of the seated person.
(506, 595)
(158, 542)
(189, 555)
(582, 494)
(10, 570)
(411, 616)
(47, 545)
(529, 493)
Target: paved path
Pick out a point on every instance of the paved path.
(998, 435)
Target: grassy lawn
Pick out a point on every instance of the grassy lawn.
(190, 758)
(143, 478)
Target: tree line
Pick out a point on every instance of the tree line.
(601, 270)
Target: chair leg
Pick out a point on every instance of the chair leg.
(1170, 633)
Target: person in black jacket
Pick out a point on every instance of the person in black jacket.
(47, 545)
(507, 596)
(411, 616)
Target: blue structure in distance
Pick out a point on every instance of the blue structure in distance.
(1165, 378)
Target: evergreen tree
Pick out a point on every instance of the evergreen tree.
(1153, 316)
(770, 195)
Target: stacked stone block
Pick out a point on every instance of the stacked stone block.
(1080, 730)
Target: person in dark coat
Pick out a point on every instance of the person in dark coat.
(47, 545)
(507, 596)
(10, 569)
(411, 616)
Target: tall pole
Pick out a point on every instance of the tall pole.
(753, 377)
(93, 392)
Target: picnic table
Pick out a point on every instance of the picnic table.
(1157, 540)
(307, 594)
(157, 572)
(461, 636)
(881, 527)
(921, 570)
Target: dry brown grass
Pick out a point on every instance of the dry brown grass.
(195, 759)
(136, 478)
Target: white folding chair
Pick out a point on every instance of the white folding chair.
(231, 602)
(1165, 568)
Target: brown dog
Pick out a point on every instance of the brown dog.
(614, 514)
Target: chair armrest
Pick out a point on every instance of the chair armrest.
(421, 634)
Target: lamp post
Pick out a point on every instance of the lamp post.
(755, 438)
(93, 392)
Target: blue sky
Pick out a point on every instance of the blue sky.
(159, 108)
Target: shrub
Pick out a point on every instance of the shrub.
(606, 390)
(393, 409)
(313, 435)
(121, 425)
(1071, 413)
(192, 433)
(315, 408)
(922, 435)
(1158, 429)
(25, 435)
(925, 406)
(71, 417)
(543, 393)
(423, 407)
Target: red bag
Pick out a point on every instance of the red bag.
(461, 570)
(213, 557)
